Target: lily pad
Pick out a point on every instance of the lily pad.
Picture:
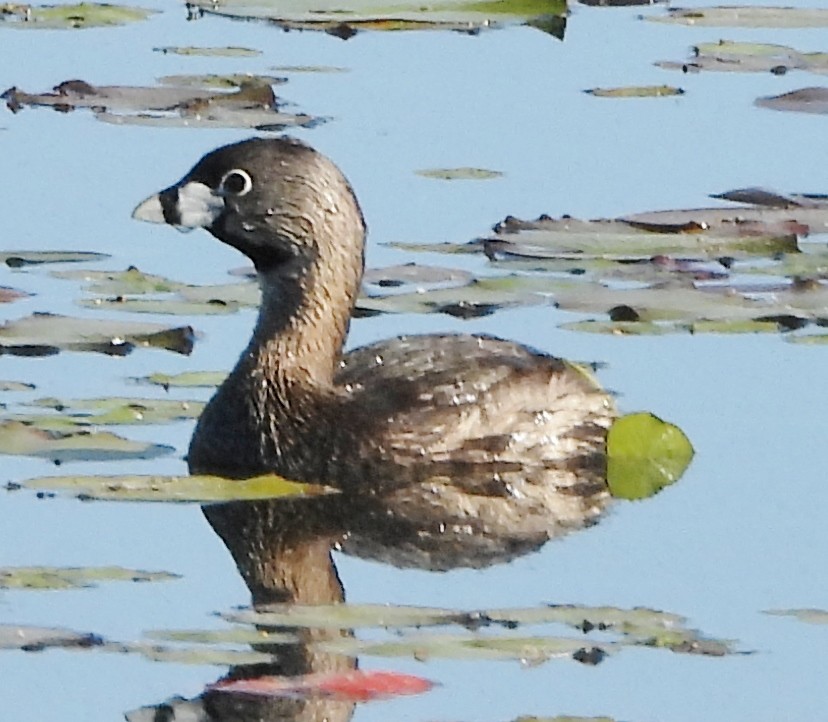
(122, 410)
(459, 173)
(618, 628)
(329, 16)
(746, 17)
(16, 259)
(187, 379)
(39, 578)
(162, 306)
(645, 454)
(234, 635)
(251, 103)
(805, 100)
(20, 439)
(731, 56)
(200, 656)
(131, 281)
(36, 639)
(74, 17)
(226, 52)
(636, 91)
(16, 386)
(200, 489)
(809, 616)
(50, 331)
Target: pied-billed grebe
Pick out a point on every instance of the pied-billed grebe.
(474, 414)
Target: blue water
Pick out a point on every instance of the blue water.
(742, 532)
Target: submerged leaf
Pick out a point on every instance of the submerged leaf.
(38, 578)
(196, 488)
(644, 454)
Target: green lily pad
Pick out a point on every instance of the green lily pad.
(16, 259)
(200, 489)
(490, 634)
(636, 91)
(809, 616)
(328, 16)
(645, 454)
(746, 17)
(39, 578)
(131, 281)
(61, 17)
(122, 410)
(187, 379)
(233, 81)
(49, 331)
(814, 339)
(459, 173)
(20, 439)
(226, 52)
(161, 306)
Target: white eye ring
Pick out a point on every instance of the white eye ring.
(236, 182)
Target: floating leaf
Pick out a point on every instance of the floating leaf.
(193, 655)
(746, 17)
(809, 616)
(250, 104)
(49, 331)
(131, 281)
(741, 57)
(39, 578)
(231, 52)
(328, 16)
(36, 639)
(122, 410)
(352, 686)
(459, 173)
(236, 635)
(16, 386)
(201, 489)
(805, 100)
(59, 17)
(16, 259)
(815, 339)
(162, 306)
(19, 439)
(644, 454)
(633, 91)
(187, 379)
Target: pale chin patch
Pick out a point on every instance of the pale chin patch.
(198, 206)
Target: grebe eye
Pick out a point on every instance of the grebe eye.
(236, 182)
